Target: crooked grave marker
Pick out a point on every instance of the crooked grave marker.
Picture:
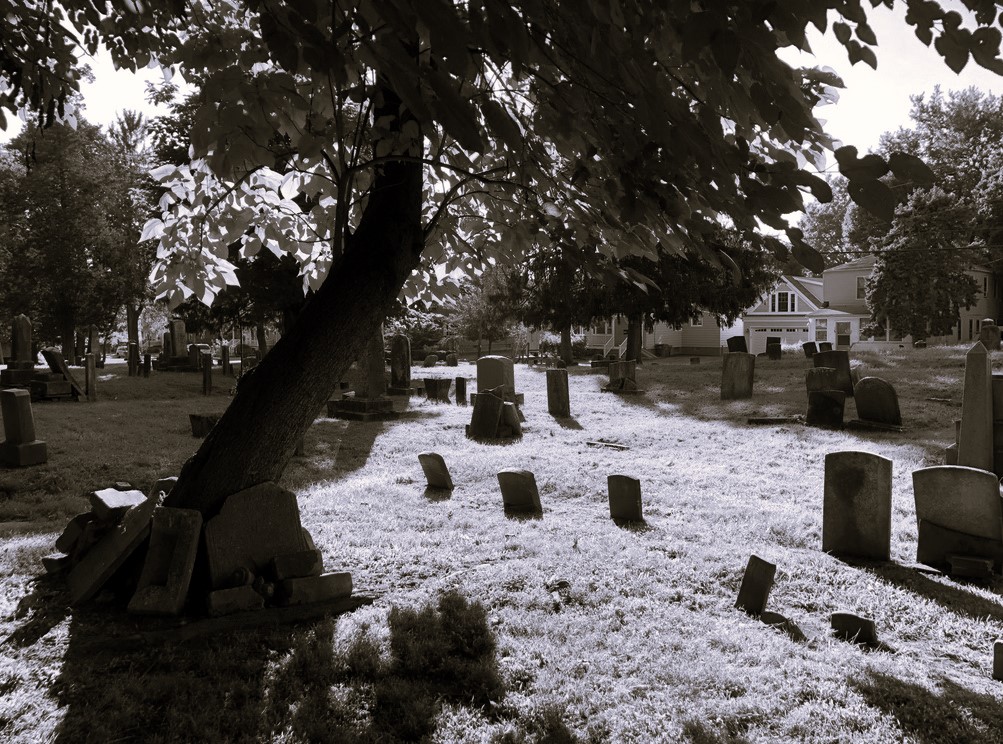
(857, 505)
(519, 492)
(756, 584)
(170, 559)
(624, 499)
(498, 372)
(436, 473)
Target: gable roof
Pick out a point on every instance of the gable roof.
(864, 262)
(810, 287)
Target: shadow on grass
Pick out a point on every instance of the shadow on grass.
(568, 423)
(954, 714)
(638, 526)
(953, 598)
(39, 612)
(438, 494)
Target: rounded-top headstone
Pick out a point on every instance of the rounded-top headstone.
(495, 371)
(436, 472)
(876, 401)
(962, 499)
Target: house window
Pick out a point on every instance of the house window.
(971, 324)
(696, 322)
(985, 286)
(861, 287)
(822, 329)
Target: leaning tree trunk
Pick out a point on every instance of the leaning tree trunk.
(567, 354)
(277, 401)
(635, 327)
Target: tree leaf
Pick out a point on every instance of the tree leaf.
(873, 196)
(867, 168)
(911, 168)
(842, 32)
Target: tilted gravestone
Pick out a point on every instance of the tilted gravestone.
(810, 349)
(975, 446)
(855, 628)
(486, 417)
(756, 584)
(519, 491)
(774, 351)
(989, 335)
(558, 398)
(825, 409)
(877, 404)
(436, 472)
(20, 448)
(737, 343)
(624, 498)
(821, 378)
(170, 559)
(738, 371)
(825, 346)
(840, 361)
(960, 500)
(400, 366)
(857, 505)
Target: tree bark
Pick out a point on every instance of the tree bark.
(259, 329)
(69, 339)
(132, 322)
(635, 328)
(567, 354)
(278, 400)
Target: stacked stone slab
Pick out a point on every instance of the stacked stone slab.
(370, 402)
(21, 365)
(20, 448)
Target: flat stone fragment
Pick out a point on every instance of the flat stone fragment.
(825, 409)
(756, 585)
(109, 503)
(970, 567)
(998, 661)
(24, 455)
(312, 589)
(857, 505)
(936, 544)
(99, 563)
(840, 361)
(72, 532)
(436, 472)
(849, 627)
(519, 491)
(624, 498)
(170, 559)
(962, 499)
(876, 401)
(738, 372)
(297, 565)
(253, 526)
(235, 599)
(975, 446)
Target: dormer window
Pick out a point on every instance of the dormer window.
(783, 302)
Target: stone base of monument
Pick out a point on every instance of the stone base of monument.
(23, 455)
(48, 389)
(405, 391)
(362, 409)
(16, 377)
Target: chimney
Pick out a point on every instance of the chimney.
(825, 303)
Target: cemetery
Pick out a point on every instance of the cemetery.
(618, 532)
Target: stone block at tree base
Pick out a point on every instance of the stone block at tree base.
(436, 472)
(969, 567)
(170, 559)
(756, 585)
(486, 416)
(849, 627)
(23, 455)
(936, 543)
(296, 565)
(624, 498)
(519, 491)
(235, 599)
(311, 589)
(111, 503)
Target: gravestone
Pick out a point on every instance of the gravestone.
(370, 402)
(519, 492)
(989, 335)
(485, 419)
(821, 378)
(825, 346)
(825, 409)
(877, 404)
(737, 344)
(975, 447)
(937, 545)
(179, 338)
(756, 584)
(850, 627)
(252, 527)
(437, 389)
(452, 360)
(810, 349)
(58, 366)
(558, 397)
(622, 377)
(21, 365)
(400, 366)
(738, 371)
(774, 351)
(840, 361)
(111, 504)
(194, 356)
(461, 391)
(773, 340)
(133, 359)
(430, 361)
(498, 371)
(19, 448)
(202, 423)
(624, 498)
(206, 373)
(998, 660)
(436, 472)
(170, 559)
(960, 499)
(857, 505)
(224, 352)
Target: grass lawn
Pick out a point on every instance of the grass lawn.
(488, 628)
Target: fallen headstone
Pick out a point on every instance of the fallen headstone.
(969, 567)
(624, 498)
(756, 584)
(519, 491)
(436, 472)
(170, 559)
(58, 366)
(857, 505)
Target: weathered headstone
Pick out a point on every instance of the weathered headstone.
(624, 498)
(430, 361)
(461, 391)
(179, 338)
(58, 365)
(975, 448)
(194, 356)
(737, 343)
(825, 346)
(558, 396)
(20, 448)
(840, 361)
(989, 335)
(497, 371)
(821, 378)
(486, 416)
(519, 491)
(825, 409)
(962, 499)
(738, 372)
(252, 527)
(147, 364)
(810, 349)
(857, 505)
(400, 366)
(849, 627)
(437, 389)
(774, 351)
(877, 403)
(170, 559)
(436, 472)
(756, 585)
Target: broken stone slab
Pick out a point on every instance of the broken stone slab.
(99, 563)
(170, 559)
(311, 589)
(296, 565)
(936, 543)
(969, 567)
(235, 599)
(857, 505)
(55, 563)
(252, 527)
(67, 541)
(821, 378)
(849, 627)
(486, 416)
(436, 472)
(756, 584)
(624, 498)
(959, 498)
(109, 504)
(519, 491)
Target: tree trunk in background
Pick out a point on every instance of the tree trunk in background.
(132, 323)
(635, 328)
(259, 330)
(567, 354)
(68, 337)
(279, 399)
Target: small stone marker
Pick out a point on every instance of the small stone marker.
(624, 498)
(21, 366)
(252, 527)
(821, 378)
(810, 349)
(99, 563)
(989, 335)
(20, 448)
(738, 372)
(737, 343)
(840, 361)
(170, 559)
(519, 492)
(110, 504)
(998, 660)
(849, 627)
(825, 409)
(436, 472)
(461, 391)
(437, 389)
(877, 403)
(969, 567)
(558, 398)
(430, 361)
(857, 505)
(756, 585)
(975, 447)
(147, 364)
(206, 373)
(825, 346)
(310, 589)
(234, 599)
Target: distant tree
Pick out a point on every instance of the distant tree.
(822, 224)
(485, 309)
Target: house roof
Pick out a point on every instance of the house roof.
(864, 262)
(839, 310)
(811, 288)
